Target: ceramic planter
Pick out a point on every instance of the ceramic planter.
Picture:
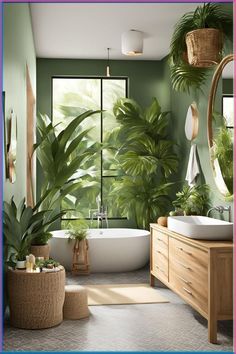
(20, 264)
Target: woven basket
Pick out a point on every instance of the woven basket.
(204, 47)
(36, 299)
(40, 251)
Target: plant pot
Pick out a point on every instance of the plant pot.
(20, 264)
(204, 47)
(40, 251)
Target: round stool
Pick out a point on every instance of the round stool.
(76, 302)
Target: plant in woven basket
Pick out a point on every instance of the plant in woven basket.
(21, 226)
(78, 234)
(198, 40)
(193, 200)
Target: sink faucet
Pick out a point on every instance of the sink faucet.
(221, 209)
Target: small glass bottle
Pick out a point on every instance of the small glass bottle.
(28, 265)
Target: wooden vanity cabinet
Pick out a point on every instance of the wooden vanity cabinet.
(200, 272)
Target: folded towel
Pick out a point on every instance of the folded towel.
(193, 168)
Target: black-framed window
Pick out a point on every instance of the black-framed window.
(70, 97)
(228, 110)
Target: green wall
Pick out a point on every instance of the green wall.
(147, 79)
(179, 106)
(18, 51)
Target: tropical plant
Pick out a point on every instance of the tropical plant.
(146, 160)
(22, 225)
(64, 158)
(46, 263)
(78, 232)
(193, 200)
(223, 151)
(210, 15)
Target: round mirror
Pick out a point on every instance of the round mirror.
(220, 117)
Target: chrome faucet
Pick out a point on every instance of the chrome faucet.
(221, 209)
(100, 213)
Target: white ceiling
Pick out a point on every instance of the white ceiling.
(85, 31)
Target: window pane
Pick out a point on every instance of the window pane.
(71, 97)
(112, 91)
(112, 210)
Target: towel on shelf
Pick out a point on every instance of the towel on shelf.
(193, 168)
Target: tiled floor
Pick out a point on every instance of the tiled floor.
(172, 326)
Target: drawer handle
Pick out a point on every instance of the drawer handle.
(183, 265)
(181, 249)
(184, 280)
(187, 291)
(159, 239)
(161, 270)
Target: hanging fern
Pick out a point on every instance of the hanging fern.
(184, 76)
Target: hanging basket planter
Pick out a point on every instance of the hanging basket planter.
(204, 47)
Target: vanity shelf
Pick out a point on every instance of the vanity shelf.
(200, 272)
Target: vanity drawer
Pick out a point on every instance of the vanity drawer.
(160, 242)
(188, 256)
(194, 290)
(160, 265)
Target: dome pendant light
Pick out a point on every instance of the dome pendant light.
(108, 63)
(132, 43)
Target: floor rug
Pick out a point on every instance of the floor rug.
(117, 294)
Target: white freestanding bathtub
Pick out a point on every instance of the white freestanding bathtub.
(110, 250)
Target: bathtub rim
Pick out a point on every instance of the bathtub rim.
(145, 233)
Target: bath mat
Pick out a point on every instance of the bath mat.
(117, 294)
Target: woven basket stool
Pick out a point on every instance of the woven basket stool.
(36, 299)
(76, 302)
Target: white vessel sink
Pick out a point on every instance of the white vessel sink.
(201, 227)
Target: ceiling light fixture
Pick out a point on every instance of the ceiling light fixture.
(108, 63)
(132, 43)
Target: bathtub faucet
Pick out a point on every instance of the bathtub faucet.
(100, 214)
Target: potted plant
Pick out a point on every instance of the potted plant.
(22, 225)
(192, 200)
(78, 234)
(146, 159)
(39, 246)
(59, 163)
(197, 44)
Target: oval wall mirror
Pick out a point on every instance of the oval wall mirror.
(191, 122)
(220, 117)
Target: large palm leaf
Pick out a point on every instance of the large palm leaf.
(141, 199)
(60, 156)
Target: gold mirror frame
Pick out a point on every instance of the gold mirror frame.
(211, 102)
